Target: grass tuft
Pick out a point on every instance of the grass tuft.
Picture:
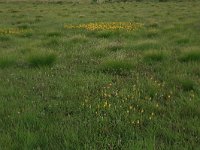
(6, 62)
(52, 42)
(54, 34)
(187, 84)
(114, 46)
(155, 56)
(23, 26)
(146, 45)
(190, 56)
(78, 39)
(152, 33)
(153, 24)
(4, 38)
(196, 71)
(98, 54)
(38, 60)
(118, 67)
(104, 34)
(182, 41)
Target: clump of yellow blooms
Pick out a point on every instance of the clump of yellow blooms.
(111, 102)
(128, 26)
(11, 31)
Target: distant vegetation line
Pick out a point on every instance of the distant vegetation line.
(143, 0)
(98, 1)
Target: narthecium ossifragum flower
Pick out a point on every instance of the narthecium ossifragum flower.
(11, 31)
(129, 26)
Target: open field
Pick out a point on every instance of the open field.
(70, 79)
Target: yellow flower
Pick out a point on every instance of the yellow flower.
(107, 26)
(105, 104)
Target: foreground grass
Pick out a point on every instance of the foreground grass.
(77, 89)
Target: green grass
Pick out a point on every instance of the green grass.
(190, 56)
(115, 46)
(105, 34)
(78, 39)
(6, 62)
(187, 84)
(157, 56)
(146, 45)
(38, 60)
(117, 67)
(100, 90)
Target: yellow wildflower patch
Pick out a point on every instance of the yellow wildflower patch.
(11, 31)
(129, 26)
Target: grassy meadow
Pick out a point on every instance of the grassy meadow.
(71, 78)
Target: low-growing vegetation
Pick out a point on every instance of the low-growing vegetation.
(117, 67)
(41, 59)
(190, 56)
(6, 61)
(155, 56)
(99, 75)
